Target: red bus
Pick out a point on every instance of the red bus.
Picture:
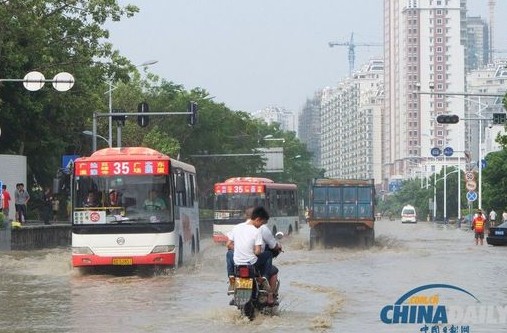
(235, 195)
(133, 206)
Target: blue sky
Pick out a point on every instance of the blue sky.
(253, 54)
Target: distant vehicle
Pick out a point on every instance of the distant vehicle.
(497, 235)
(342, 211)
(408, 214)
(235, 195)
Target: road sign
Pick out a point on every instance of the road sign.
(483, 164)
(469, 175)
(471, 196)
(471, 185)
(33, 81)
(63, 81)
(436, 151)
(67, 161)
(448, 151)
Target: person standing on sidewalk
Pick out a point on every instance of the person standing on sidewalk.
(6, 202)
(21, 198)
(492, 218)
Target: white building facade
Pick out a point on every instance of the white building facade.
(351, 125)
(424, 60)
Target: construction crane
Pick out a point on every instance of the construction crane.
(352, 52)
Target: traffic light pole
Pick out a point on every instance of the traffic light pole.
(126, 114)
(480, 118)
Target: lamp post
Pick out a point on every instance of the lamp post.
(94, 139)
(110, 99)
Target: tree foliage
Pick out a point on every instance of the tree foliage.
(51, 37)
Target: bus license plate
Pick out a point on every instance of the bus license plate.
(243, 283)
(122, 261)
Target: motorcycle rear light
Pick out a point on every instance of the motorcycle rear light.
(244, 272)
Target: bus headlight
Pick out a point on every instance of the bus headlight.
(81, 250)
(163, 248)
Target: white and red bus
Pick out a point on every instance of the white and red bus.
(235, 195)
(143, 209)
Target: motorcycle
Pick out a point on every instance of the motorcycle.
(250, 290)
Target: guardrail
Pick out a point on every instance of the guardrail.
(35, 235)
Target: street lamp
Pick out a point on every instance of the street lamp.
(269, 137)
(110, 102)
(90, 133)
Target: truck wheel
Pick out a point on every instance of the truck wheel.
(313, 239)
(369, 239)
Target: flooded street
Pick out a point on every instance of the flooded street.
(324, 290)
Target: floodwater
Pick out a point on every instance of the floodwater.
(324, 290)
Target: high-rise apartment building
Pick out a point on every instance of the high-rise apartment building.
(351, 125)
(424, 56)
(491, 79)
(477, 43)
(280, 115)
(309, 127)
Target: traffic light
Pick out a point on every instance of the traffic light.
(192, 116)
(448, 119)
(143, 121)
(499, 118)
(120, 120)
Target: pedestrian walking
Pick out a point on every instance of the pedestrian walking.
(6, 199)
(478, 225)
(504, 216)
(21, 198)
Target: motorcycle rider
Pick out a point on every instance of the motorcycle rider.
(245, 246)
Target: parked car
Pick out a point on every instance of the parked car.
(497, 235)
(408, 214)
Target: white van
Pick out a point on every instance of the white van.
(408, 214)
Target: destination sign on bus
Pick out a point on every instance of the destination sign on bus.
(227, 189)
(87, 168)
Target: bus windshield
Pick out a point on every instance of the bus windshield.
(234, 205)
(122, 199)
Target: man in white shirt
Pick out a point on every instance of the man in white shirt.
(246, 240)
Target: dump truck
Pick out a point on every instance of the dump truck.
(341, 212)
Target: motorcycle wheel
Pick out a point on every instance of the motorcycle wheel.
(249, 310)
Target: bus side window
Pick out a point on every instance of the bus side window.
(180, 189)
(192, 194)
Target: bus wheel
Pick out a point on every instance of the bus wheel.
(180, 254)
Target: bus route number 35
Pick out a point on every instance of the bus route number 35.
(121, 168)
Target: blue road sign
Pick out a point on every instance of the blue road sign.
(448, 151)
(436, 151)
(471, 196)
(483, 164)
(67, 160)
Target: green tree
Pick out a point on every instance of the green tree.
(51, 37)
